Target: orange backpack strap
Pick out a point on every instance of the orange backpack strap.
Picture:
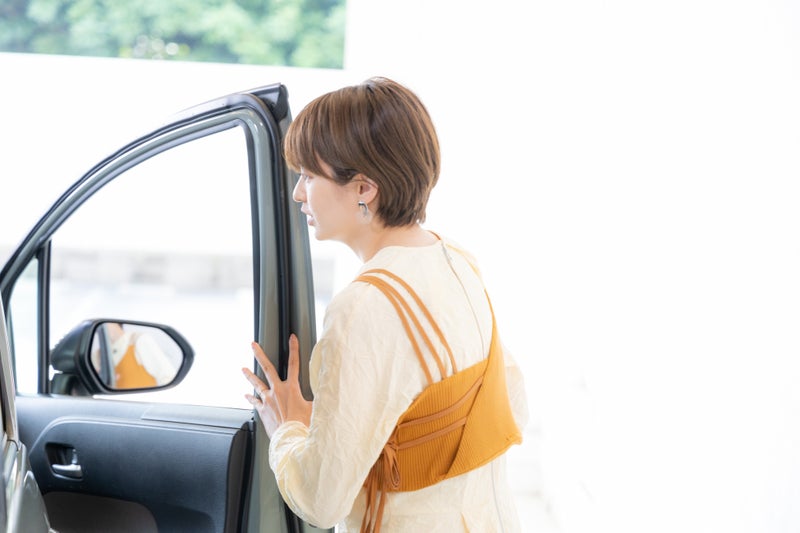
(405, 313)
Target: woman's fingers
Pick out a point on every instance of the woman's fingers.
(266, 365)
(277, 400)
(254, 401)
(254, 380)
(294, 359)
(269, 369)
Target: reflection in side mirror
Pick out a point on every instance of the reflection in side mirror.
(134, 356)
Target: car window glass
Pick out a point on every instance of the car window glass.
(22, 329)
(168, 241)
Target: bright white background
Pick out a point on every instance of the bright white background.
(628, 175)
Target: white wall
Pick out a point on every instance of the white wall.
(60, 115)
(627, 173)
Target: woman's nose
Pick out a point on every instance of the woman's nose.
(299, 192)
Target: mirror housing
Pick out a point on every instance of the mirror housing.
(111, 356)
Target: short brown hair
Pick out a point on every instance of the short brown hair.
(379, 129)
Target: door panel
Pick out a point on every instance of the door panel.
(21, 509)
(185, 466)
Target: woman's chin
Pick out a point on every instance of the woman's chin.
(319, 235)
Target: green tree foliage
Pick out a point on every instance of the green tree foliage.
(302, 33)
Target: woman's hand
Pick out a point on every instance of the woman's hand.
(282, 401)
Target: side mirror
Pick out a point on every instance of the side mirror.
(107, 356)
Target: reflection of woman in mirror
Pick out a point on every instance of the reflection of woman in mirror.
(137, 359)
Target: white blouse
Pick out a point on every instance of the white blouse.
(365, 374)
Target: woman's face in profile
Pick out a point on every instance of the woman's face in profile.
(331, 209)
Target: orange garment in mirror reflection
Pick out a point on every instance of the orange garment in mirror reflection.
(137, 360)
(129, 373)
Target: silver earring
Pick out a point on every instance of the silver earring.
(364, 208)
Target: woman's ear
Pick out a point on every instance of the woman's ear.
(367, 189)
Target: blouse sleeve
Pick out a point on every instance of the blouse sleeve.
(362, 385)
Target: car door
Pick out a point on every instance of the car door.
(21, 506)
(191, 226)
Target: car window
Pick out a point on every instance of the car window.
(167, 241)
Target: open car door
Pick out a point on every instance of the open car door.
(188, 233)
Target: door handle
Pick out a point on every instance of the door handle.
(71, 469)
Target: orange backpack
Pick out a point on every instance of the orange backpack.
(455, 425)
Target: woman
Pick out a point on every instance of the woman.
(415, 402)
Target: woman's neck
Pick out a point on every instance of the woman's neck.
(378, 238)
